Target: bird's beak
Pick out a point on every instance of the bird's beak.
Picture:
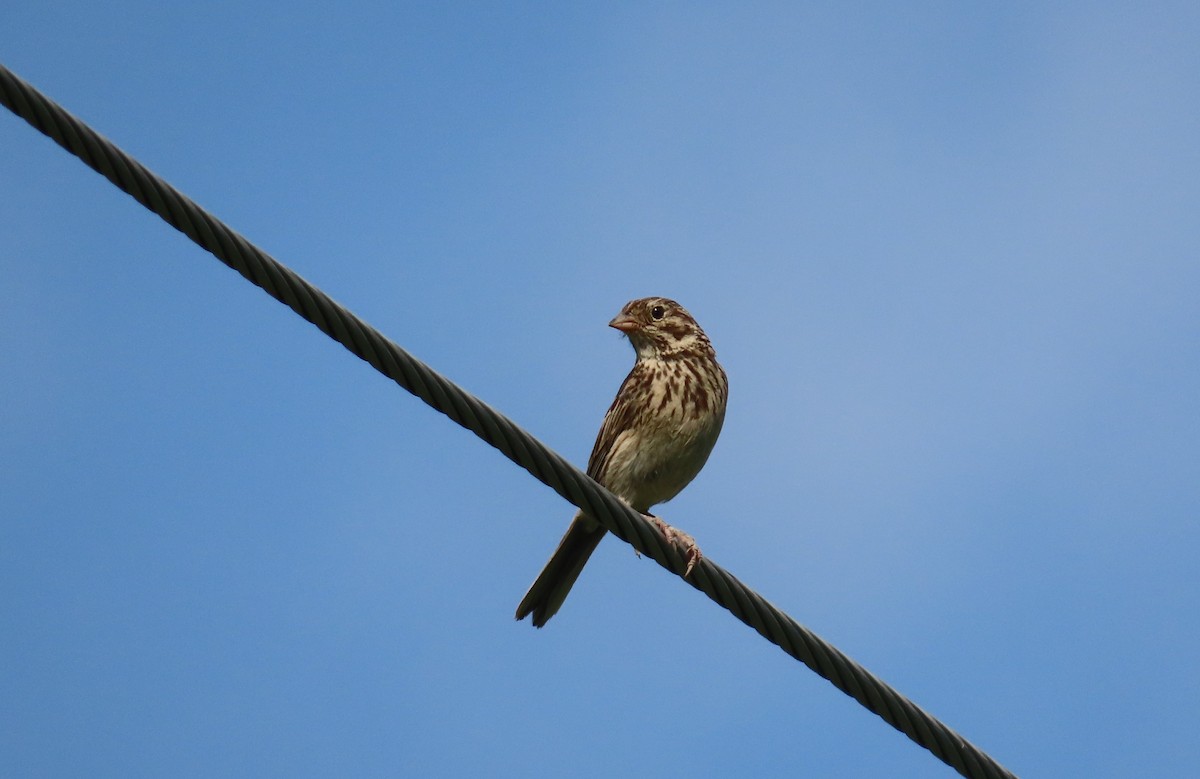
(625, 323)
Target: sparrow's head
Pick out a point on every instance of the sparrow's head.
(659, 327)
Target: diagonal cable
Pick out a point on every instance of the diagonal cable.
(468, 411)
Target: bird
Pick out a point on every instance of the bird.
(656, 436)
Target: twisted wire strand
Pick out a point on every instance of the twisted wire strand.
(473, 414)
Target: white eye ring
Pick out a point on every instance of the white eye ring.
(658, 312)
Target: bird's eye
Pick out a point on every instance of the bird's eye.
(658, 312)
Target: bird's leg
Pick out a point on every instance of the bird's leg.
(680, 539)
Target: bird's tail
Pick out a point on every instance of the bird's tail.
(550, 588)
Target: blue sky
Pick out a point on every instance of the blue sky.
(947, 255)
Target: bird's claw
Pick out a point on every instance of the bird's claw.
(678, 538)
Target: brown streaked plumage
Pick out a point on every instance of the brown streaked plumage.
(655, 438)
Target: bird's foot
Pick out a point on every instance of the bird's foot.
(678, 538)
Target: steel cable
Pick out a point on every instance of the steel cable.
(468, 411)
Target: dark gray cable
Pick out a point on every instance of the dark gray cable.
(545, 465)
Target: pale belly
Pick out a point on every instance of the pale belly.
(652, 468)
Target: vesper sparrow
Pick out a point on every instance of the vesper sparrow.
(655, 438)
